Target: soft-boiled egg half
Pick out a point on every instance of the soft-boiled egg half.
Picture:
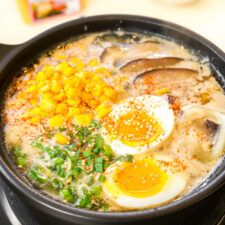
(138, 124)
(142, 183)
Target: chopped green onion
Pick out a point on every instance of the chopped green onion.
(20, 157)
(99, 164)
(59, 161)
(89, 140)
(106, 165)
(75, 172)
(78, 170)
(96, 190)
(99, 141)
(60, 171)
(86, 154)
(21, 161)
(61, 129)
(85, 191)
(91, 180)
(85, 201)
(105, 206)
(108, 151)
(98, 168)
(68, 195)
(55, 152)
(126, 158)
(99, 160)
(101, 178)
(94, 124)
(34, 175)
(96, 150)
(56, 183)
(37, 144)
(89, 161)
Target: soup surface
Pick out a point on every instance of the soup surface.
(116, 121)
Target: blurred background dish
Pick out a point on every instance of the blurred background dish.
(202, 16)
(177, 2)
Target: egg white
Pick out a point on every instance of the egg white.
(154, 106)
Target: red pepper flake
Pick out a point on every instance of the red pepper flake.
(174, 103)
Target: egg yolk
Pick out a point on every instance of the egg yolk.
(140, 179)
(137, 128)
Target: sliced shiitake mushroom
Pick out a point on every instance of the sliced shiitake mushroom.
(111, 54)
(116, 55)
(116, 38)
(143, 64)
(167, 76)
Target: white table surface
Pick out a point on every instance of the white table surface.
(206, 17)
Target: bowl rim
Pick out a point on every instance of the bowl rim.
(69, 210)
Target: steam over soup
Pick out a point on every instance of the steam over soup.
(116, 121)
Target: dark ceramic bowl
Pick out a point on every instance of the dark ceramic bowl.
(53, 212)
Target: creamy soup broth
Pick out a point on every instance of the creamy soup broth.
(116, 121)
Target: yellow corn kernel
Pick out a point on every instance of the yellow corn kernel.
(47, 95)
(40, 84)
(34, 112)
(41, 76)
(60, 57)
(21, 95)
(56, 121)
(103, 72)
(31, 88)
(68, 71)
(75, 81)
(59, 97)
(61, 66)
(86, 97)
(56, 86)
(81, 75)
(44, 114)
(89, 87)
(162, 91)
(75, 60)
(93, 62)
(56, 76)
(45, 88)
(80, 66)
(62, 139)
(71, 93)
(73, 111)
(97, 79)
(93, 103)
(73, 102)
(109, 92)
(102, 110)
(35, 119)
(48, 70)
(37, 110)
(97, 91)
(83, 119)
(47, 105)
(90, 75)
(67, 85)
(33, 102)
(61, 108)
(103, 98)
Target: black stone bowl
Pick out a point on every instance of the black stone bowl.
(50, 211)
